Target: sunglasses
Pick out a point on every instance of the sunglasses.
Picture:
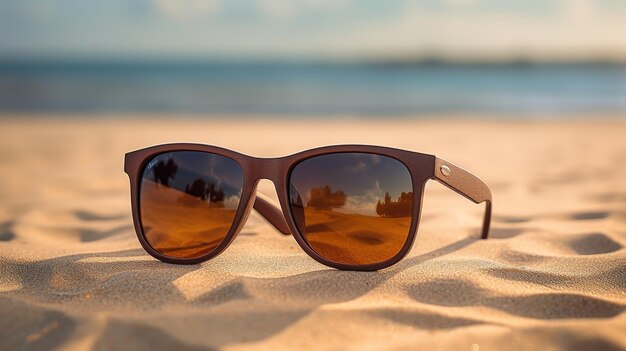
(352, 207)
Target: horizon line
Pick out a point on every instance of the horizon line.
(520, 60)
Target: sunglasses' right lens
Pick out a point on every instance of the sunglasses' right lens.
(188, 201)
(352, 208)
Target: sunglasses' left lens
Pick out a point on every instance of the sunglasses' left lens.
(188, 201)
(352, 208)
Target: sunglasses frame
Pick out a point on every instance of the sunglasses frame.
(421, 167)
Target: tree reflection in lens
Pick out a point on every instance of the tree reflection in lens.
(343, 206)
(188, 202)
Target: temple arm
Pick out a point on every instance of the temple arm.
(272, 214)
(466, 184)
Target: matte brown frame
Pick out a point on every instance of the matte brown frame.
(421, 167)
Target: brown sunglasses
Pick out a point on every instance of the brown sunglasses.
(353, 207)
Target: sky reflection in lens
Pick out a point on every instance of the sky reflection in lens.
(364, 179)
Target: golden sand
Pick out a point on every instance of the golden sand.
(552, 276)
(354, 238)
(179, 225)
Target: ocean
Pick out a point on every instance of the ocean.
(305, 89)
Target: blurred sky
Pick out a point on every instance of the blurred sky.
(313, 29)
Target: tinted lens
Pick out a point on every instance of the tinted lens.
(188, 201)
(352, 208)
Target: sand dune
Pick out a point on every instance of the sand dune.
(373, 239)
(180, 225)
(553, 275)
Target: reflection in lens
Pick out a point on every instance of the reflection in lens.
(188, 201)
(352, 208)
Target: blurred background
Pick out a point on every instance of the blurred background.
(501, 58)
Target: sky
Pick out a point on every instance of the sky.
(363, 178)
(313, 29)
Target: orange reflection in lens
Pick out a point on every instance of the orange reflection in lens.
(344, 207)
(187, 214)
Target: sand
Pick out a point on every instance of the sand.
(552, 276)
